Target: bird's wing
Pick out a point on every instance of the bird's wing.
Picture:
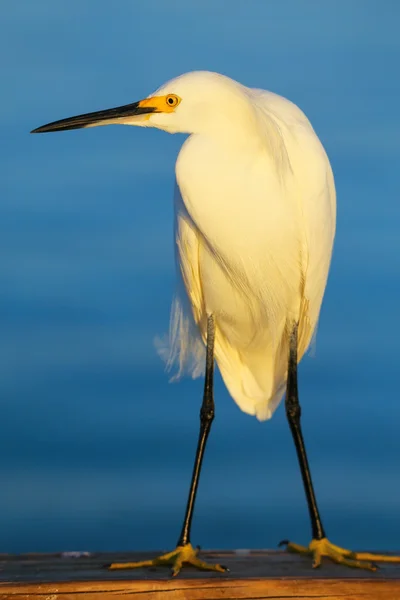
(319, 209)
(316, 198)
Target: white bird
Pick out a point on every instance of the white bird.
(255, 213)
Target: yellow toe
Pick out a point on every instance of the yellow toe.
(324, 548)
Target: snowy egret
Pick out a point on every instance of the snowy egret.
(255, 213)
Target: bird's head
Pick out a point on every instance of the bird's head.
(195, 102)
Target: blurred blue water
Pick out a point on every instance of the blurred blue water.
(96, 445)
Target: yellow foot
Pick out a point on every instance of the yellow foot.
(358, 560)
(182, 555)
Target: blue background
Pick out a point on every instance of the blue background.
(96, 447)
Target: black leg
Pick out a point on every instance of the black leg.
(319, 546)
(293, 412)
(184, 553)
(206, 418)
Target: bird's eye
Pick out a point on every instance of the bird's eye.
(172, 100)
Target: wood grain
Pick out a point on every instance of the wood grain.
(253, 575)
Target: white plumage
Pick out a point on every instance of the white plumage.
(255, 224)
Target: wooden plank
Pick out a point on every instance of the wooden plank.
(253, 574)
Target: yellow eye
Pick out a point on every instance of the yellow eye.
(172, 100)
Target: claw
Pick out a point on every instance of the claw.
(317, 561)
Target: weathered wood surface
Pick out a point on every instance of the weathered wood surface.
(253, 575)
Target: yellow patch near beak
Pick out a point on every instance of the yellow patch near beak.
(161, 104)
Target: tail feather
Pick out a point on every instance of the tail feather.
(183, 348)
(255, 379)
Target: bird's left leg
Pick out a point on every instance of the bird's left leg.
(319, 546)
(184, 553)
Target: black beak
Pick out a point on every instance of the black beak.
(101, 117)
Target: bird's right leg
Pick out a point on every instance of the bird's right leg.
(320, 546)
(184, 553)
